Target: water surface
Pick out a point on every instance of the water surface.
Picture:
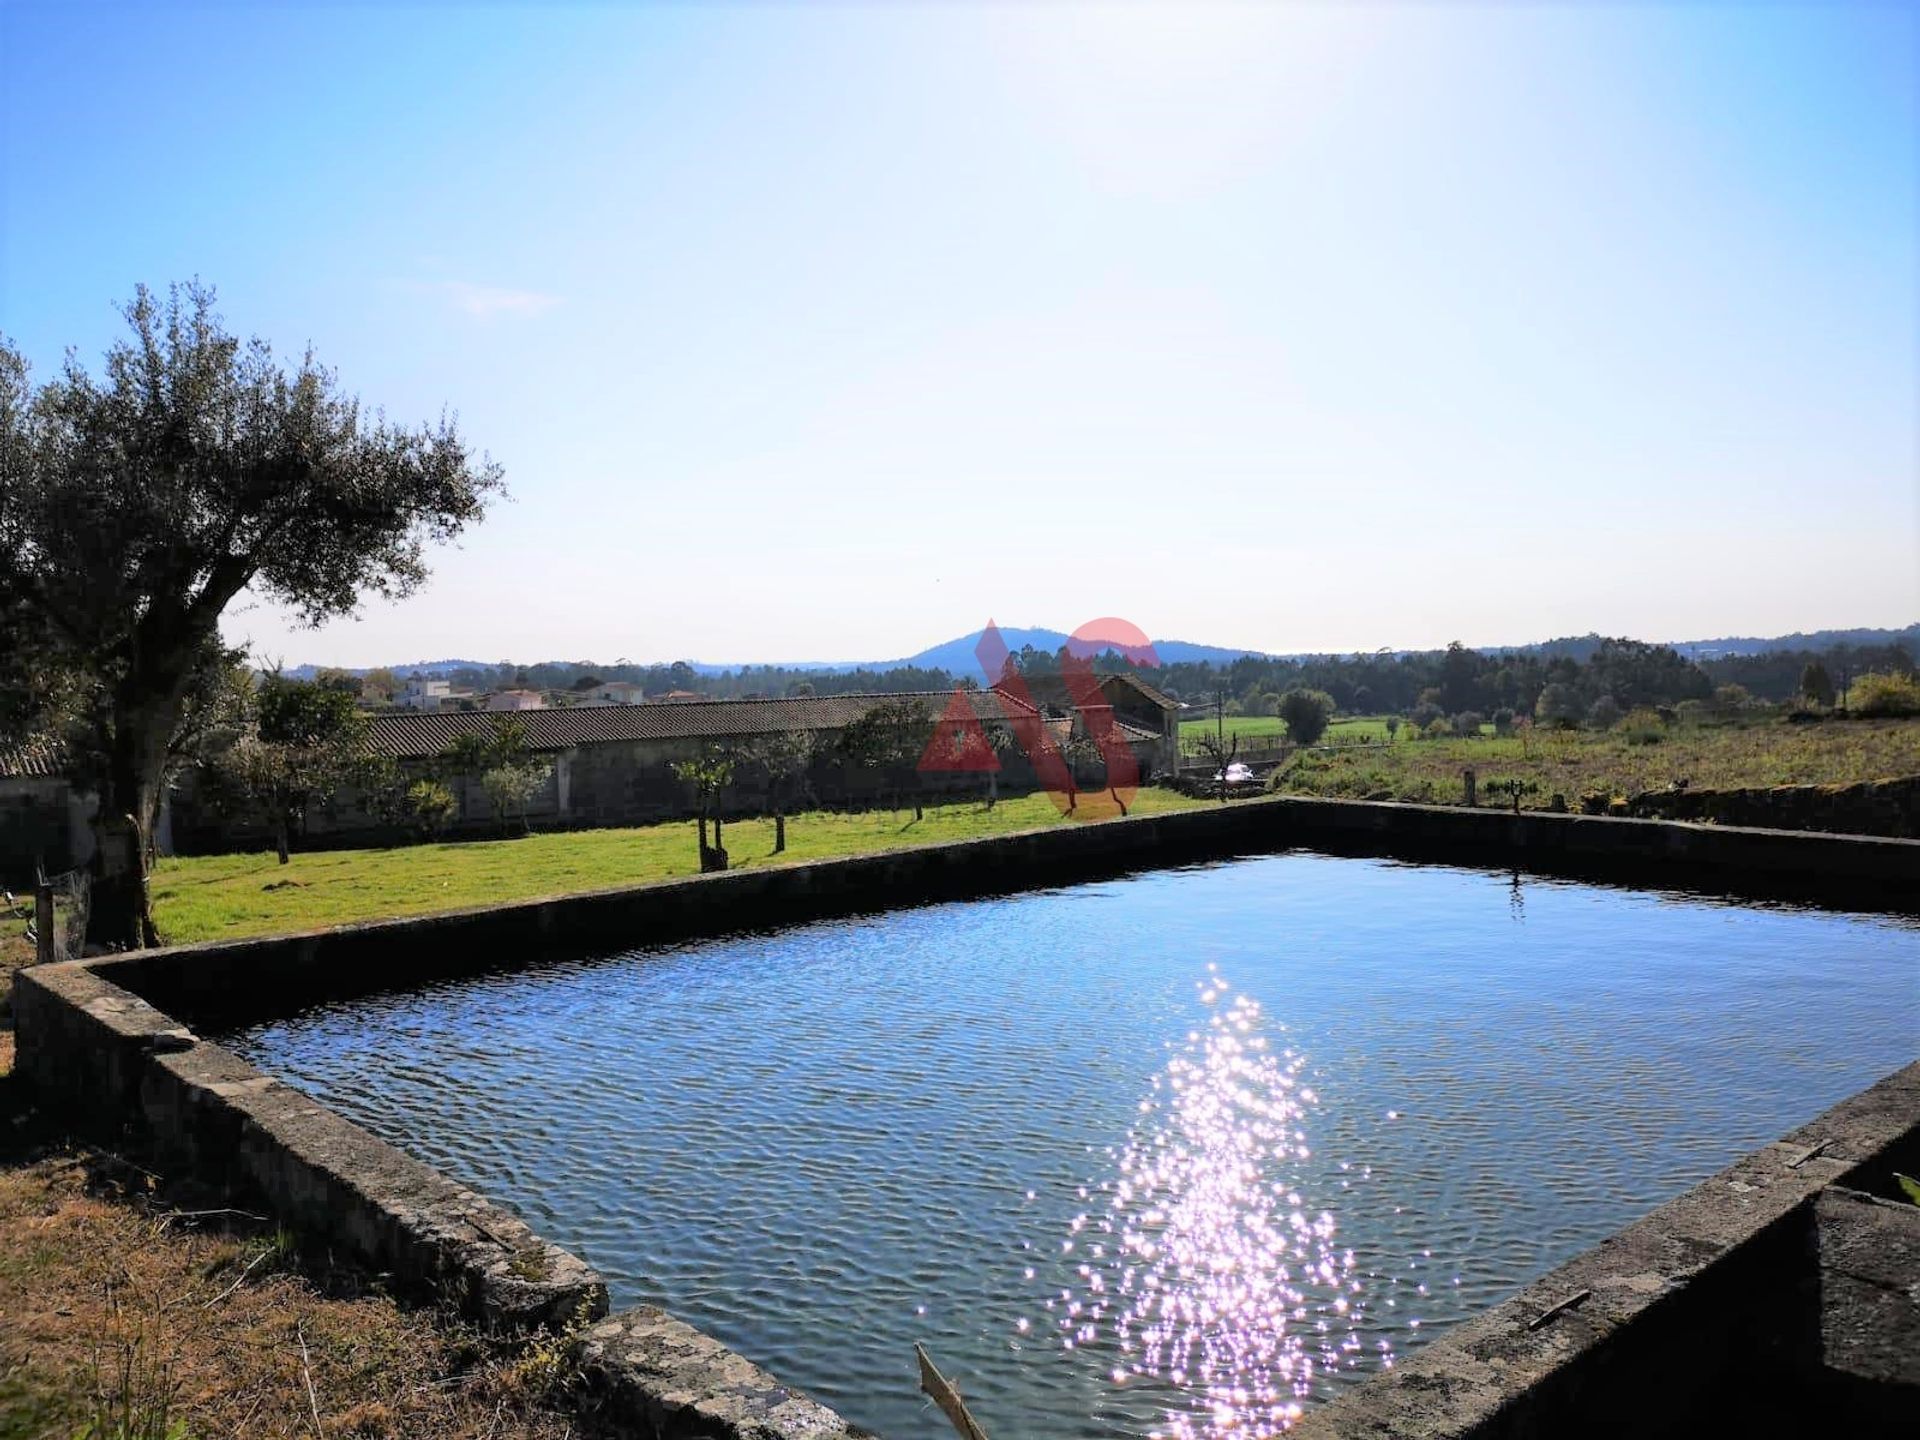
(1173, 1154)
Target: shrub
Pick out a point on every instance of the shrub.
(1439, 729)
(1692, 712)
(1306, 713)
(1468, 722)
(1267, 704)
(1642, 726)
(1731, 697)
(1558, 706)
(1503, 721)
(1424, 714)
(1878, 694)
(1393, 726)
(428, 805)
(1604, 714)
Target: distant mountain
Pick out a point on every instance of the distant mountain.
(957, 657)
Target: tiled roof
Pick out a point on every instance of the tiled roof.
(35, 759)
(417, 736)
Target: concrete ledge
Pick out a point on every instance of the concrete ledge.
(1715, 1290)
(649, 1375)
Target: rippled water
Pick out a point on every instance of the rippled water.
(1167, 1155)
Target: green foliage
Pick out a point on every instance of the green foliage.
(1306, 714)
(1642, 726)
(1468, 722)
(1440, 728)
(1558, 706)
(1909, 1186)
(428, 806)
(1603, 714)
(1888, 694)
(307, 744)
(1816, 685)
(136, 505)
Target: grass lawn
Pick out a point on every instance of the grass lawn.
(220, 897)
(1707, 757)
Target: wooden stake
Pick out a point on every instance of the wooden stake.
(943, 1394)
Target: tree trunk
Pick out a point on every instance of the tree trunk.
(1117, 800)
(280, 836)
(120, 914)
(779, 831)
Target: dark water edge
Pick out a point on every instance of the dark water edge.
(1129, 1155)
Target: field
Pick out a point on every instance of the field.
(1346, 729)
(1570, 763)
(229, 896)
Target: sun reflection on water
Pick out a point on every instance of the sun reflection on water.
(1201, 1270)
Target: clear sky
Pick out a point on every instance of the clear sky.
(808, 332)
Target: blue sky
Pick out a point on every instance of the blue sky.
(822, 332)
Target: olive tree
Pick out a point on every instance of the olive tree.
(137, 505)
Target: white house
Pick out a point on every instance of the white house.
(421, 693)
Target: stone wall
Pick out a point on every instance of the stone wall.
(1873, 807)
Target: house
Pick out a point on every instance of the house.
(424, 693)
(617, 692)
(679, 695)
(1147, 719)
(504, 700)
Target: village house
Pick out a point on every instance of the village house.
(617, 692)
(511, 700)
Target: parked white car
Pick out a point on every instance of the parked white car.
(1235, 774)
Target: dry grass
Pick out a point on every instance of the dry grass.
(123, 1318)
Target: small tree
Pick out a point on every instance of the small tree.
(786, 759)
(309, 741)
(1220, 749)
(1393, 728)
(1816, 685)
(1513, 788)
(709, 773)
(1306, 713)
(889, 738)
(509, 789)
(1604, 713)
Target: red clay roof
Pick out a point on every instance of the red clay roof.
(417, 736)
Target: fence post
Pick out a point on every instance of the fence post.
(43, 922)
(1467, 775)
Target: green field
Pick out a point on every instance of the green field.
(221, 897)
(1346, 729)
(1570, 763)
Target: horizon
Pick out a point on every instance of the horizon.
(825, 330)
(736, 666)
